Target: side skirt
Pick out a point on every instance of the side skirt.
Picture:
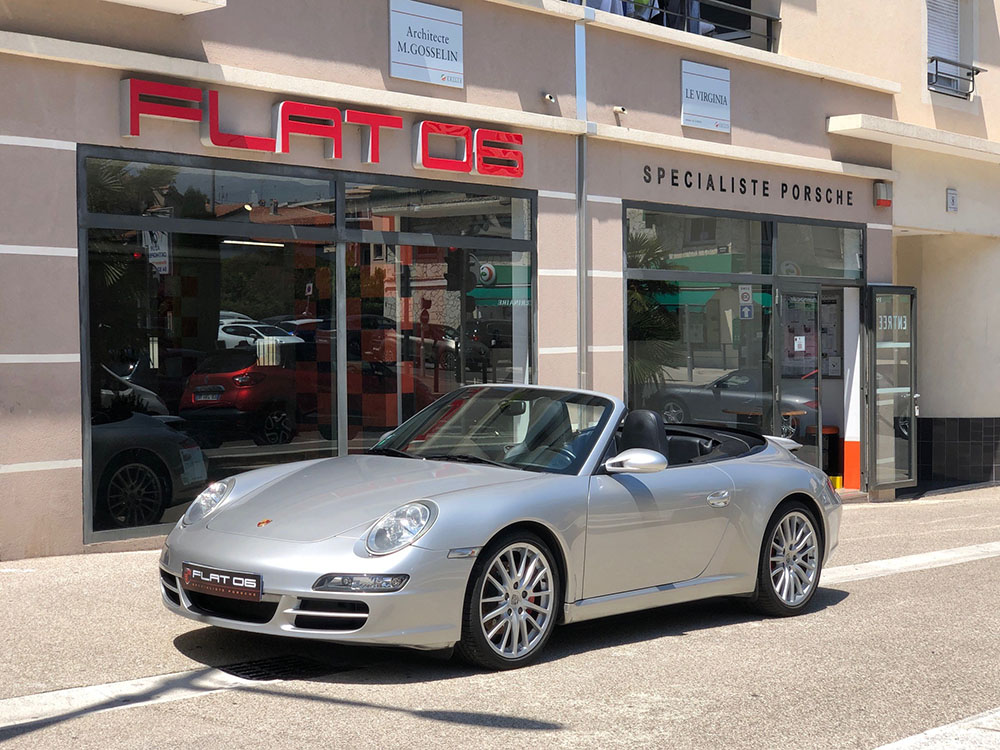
(658, 596)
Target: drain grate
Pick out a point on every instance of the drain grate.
(289, 667)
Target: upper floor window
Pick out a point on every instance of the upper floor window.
(948, 42)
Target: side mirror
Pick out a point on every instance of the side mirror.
(636, 461)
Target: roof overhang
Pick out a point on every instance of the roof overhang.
(907, 135)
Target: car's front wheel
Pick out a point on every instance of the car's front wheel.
(791, 560)
(511, 603)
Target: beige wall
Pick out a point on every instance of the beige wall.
(958, 324)
(920, 193)
(771, 109)
(889, 40)
(344, 41)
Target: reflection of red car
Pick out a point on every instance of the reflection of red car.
(232, 396)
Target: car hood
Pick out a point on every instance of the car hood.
(321, 499)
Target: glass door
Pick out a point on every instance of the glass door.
(798, 374)
(892, 442)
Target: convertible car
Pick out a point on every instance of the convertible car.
(496, 513)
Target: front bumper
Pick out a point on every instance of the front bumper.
(425, 614)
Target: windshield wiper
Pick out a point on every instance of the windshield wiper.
(466, 459)
(389, 452)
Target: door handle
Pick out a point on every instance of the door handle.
(719, 499)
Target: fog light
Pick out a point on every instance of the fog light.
(359, 582)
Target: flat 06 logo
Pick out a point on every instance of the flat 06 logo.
(245, 586)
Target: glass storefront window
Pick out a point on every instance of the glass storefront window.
(694, 358)
(423, 320)
(115, 186)
(429, 211)
(195, 373)
(686, 242)
(816, 250)
(212, 352)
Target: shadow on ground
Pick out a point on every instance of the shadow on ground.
(216, 647)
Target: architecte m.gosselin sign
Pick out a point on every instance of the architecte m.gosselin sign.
(425, 43)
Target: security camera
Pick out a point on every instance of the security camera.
(620, 110)
(549, 98)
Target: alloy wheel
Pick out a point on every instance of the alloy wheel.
(673, 412)
(277, 428)
(794, 558)
(135, 495)
(516, 603)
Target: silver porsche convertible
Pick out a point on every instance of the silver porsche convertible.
(496, 513)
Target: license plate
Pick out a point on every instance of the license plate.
(225, 583)
(207, 396)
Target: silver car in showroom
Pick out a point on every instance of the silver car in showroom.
(496, 513)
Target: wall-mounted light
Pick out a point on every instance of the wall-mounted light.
(549, 98)
(248, 207)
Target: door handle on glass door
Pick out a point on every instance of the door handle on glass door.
(719, 499)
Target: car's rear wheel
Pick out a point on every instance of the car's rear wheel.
(133, 492)
(511, 603)
(791, 560)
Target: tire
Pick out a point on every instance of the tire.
(275, 428)
(487, 641)
(134, 491)
(790, 565)
(673, 411)
(326, 431)
(449, 360)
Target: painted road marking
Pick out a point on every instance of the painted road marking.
(60, 704)
(982, 731)
(939, 559)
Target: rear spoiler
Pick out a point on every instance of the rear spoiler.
(786, 443)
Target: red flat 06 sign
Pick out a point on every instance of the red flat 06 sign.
(438, 146)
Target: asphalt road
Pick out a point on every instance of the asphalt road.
(872, 662)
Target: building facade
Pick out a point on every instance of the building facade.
(243, 233)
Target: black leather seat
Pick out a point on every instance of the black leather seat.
(644, 429)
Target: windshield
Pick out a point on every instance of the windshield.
(521, 428)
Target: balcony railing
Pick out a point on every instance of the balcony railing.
(951, 77)
(712, 18)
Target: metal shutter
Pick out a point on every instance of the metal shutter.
(942, 28)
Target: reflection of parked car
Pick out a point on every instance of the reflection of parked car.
(141, 467)
(736, 394)
(114, 386)
(305, 328)
(168, 379)
(232, 396)
(229, 315)
(246, 334)
(496, 334)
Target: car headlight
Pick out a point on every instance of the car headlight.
(399, 528)
(209, 499)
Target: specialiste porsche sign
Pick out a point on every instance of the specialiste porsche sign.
(480, 151)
